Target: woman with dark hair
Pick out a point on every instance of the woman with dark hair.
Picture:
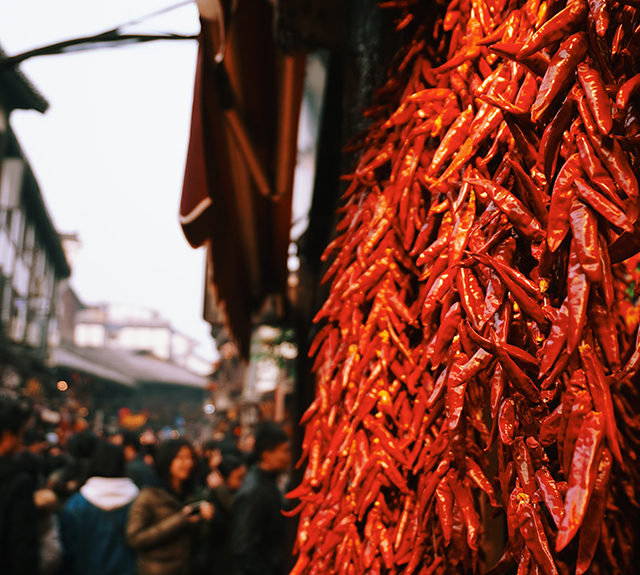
(159, 520)
(93, 520)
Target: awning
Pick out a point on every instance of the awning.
(238, 181)
(66, 358)
(126, 367)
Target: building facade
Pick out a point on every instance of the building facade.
(134, 328)
(32, 261)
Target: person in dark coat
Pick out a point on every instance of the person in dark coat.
(214, 556)
(93, 520)
(31, 458)
(67, 480)
(258, 533)
(208, 463)
(18, 519)
(136, 467)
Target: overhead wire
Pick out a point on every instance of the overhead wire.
(108, 39)
(157, 13)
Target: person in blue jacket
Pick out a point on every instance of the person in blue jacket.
(93, 520)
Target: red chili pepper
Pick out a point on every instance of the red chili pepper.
(537, 63)
(605, 330)
(416, 555)
(531, 192)
(392, 471)
(301, 564)
(632, 365)
(465, 152)
(564, 22)
(524, 466)
(550, 426)
(478, 363)
(462, 495)
(527, 94)
(584, 226)
(563, 191)
(444, 504)
(462, 230)
(524, 565)
(513, 208)
(498, 383)
(596, 171)
(601, 395)
(550, 495)
(438, 246)
(430, 95)
(455, 395)
(384, 544)
(534, 536)
(615, 160)
(451, 142)
(596, 96)
(584, 469)
(402, 523)
(424, 234)
(447, 330)
(475, 473)
(401, 115)
(385, 439)
(386, 154)
(368, 278)
(603, 206)
(513, 529)
(627, 92)
(552, 137)
(519, 290)
(556, 340)
(560, 73)
(600, 11)
(491, 120)
(516, 277)
(581, 404)
(496, 289)
(526, 142)
(594, 515)
(471, 294)
(458, 444)
(507, 421)
(578, 294)
(450, 112)
(440, 386)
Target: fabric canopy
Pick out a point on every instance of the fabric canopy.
(238, 180)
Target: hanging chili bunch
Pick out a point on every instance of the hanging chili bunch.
(479, 303)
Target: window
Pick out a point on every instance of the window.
(21, 277)
(16, 229)
(18, 319)
(89, 335)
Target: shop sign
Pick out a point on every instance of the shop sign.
(133, 420)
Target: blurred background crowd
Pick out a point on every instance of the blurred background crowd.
(75, 502)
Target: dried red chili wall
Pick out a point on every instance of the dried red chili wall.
(480, 303)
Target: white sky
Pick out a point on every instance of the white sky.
(109, 153)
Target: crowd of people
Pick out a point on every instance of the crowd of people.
(113, 506)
